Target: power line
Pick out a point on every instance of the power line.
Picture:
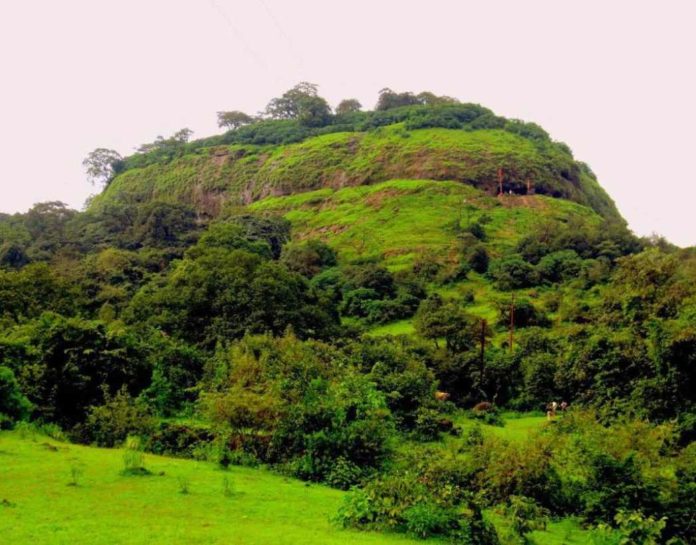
(238, 35)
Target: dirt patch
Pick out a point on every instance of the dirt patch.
(375, 200)
(220, 157)
(208, 203)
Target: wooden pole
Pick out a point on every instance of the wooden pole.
(500, 181)
(482, 362)
(512, 321)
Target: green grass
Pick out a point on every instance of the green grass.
(516, 428)
(107, 508)
(401, 327)
(400, 219)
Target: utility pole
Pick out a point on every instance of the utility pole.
(512, 321)
(482, 361)
(500, 181)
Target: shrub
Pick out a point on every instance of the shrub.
(525, 515)
(559, 266)
(427, 426)
(227, 487)
(76, 472)
(13, 405)
(178, 439)
(428, 519)
(513, 272)
(344, 474)
(184, 484)
(120, 416)
(617, 485)
(636, 529)
(133, 458)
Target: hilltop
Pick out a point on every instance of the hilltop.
(515, 158)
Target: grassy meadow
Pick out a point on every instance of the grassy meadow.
(53, 492)
(40, 506)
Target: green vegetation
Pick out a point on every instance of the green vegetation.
(347, 300)
(107, 507)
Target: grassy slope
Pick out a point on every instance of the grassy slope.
(108, 508)
(242, 174)
(398, 220)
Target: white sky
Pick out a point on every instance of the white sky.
(615, 80)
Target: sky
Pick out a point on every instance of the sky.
(615, 80)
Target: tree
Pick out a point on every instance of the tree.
(437, 319)
(101, 165)
(71, 363)
(347, 106)
(512, 272)
(12, 402)
(234, 119)
(431, 99)
(389, 99)
(182, 136)
(302, 103)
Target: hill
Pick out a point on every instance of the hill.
(433, 310)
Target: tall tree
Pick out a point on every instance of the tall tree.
(101, 165)
(233, 119)
(347, 106)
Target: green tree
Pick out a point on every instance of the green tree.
(303, 103)
(347, 106)
(13, 403)
(438, 319)
(233, 119)
(101, 165)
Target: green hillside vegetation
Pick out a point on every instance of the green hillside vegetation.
(396, 221)
(240, 174)
(347, 298)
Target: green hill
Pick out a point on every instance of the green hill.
(241, 174)
(388, 305)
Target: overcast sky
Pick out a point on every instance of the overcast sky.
(613, 79)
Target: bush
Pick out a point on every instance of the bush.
(429, 519)
(120, 416)
(344, 474)
(133, 457)
(617, 485)
(478, 259)
(525, 515)
(513, 272)
(13, 405)
(179, 439)
(427, 426)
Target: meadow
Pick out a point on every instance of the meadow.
(54, 492)
(41, 504)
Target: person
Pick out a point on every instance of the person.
(550, 410)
